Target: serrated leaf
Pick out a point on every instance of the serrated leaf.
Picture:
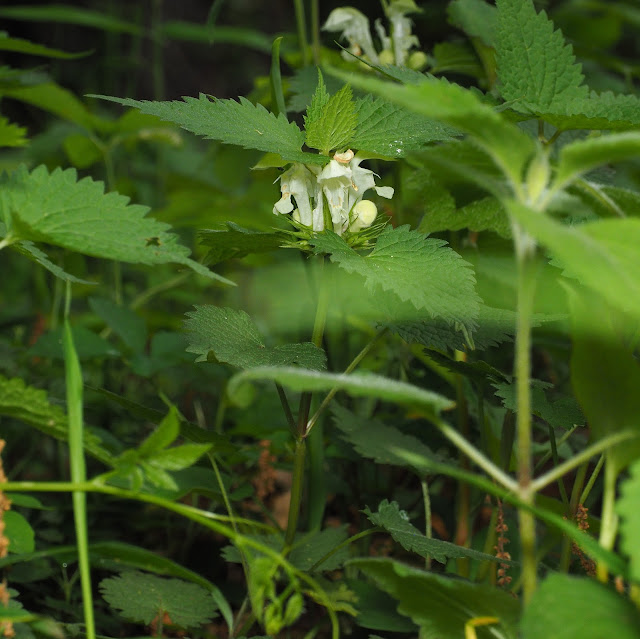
(142, 598)
(233, 338)
(303, 84)
(31, 405)
(603, 254)
(375, 440)
(394, 521)
(566, 607)
(12, 134)
(237, 242)
(393, 131)
(417, 269)
(357, 384)
(627, 508)
(318, 102)
(536, 67)
(584, 155)
(475, 17)
(78, 215)
(440, 605)
(539, 75)
(486, 214)
(241, 123)
(508, 146)
(334, 128)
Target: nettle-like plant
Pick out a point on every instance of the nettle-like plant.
(517, 163)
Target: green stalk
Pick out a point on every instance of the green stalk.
(426, 500)
(463, 505)
(73, 379)
(609, 519)
(315, 31)
(302, 31)
(297, 480)
(526, 285)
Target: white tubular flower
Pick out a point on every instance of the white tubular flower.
(354, 26)
(403, 40)
(342, 182)
(297, 181)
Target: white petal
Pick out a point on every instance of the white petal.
(384, 191)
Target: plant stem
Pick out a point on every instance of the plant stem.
(74, 386)
(463, 507)
(609, 519)
(315, 31)
(332, 393)
(426, 500)
(302, 31)
(525, 250)
(297, 483)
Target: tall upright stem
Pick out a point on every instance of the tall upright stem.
(525, 250)
(297, 480)
(301, 24)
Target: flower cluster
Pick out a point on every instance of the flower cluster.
(341, 183)
(396, 47)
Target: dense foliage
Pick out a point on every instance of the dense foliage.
(355, 354)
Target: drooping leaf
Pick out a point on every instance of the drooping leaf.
(392, 131)
(31, 405)
(601, 254)
(232, 337)
(477, 18)
(417, 269)
(603, 373)
(331, 124)
(565, 607)
(57, 209)
(219, 34)
(241, 123)
(584, 155)
(456, 57)
(187, 604)
(122, 321)
(20, 45)
(395, 521)
(440, 605)
(377, 610)
(237, 242)
(627, 508)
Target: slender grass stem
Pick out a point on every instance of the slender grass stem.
(74, 387)
(609, 518)
(426, 500)
(301, 27)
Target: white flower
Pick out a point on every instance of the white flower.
(354, 26)
(342, 182)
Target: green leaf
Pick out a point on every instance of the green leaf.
(12, 134)
(78, 215)
(476, 18)
(539, 76)
(30, 48)
(241, 123)
(31, 405)
(67, 14)
(334, 128)
(486, 214)
(357, 384)
(233, 338)
(142, 598)
(396, 522)
(603, 254)
(584, 155)
(502, 140)
(441, 606)
(19, 532)
(318, 102)
(377, 611)
(164, 435)
(536, 67)
(88, 344)
(417, 269)
(566, 607)
(384, 444)
(603, 370)
(303, 85)
(456, 57)
(122, 321)
(236, 242)
(178, 457)
(205, 34)
(392, 131)
(627, 508)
